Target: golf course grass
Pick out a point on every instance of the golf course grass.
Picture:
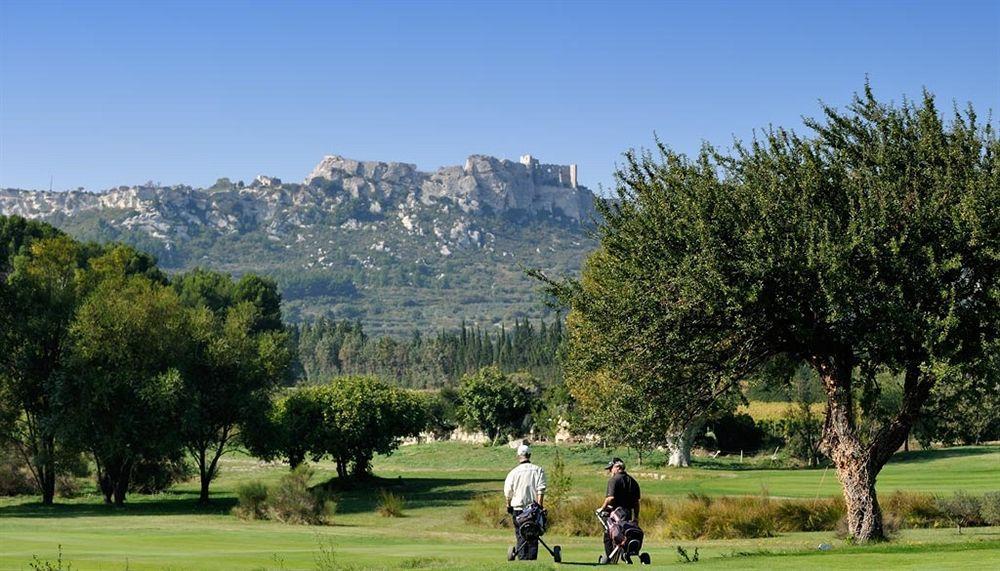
(170, 530)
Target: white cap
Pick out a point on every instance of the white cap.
(523, 450)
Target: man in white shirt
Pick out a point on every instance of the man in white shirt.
(524, 485)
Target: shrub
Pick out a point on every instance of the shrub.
(389, 504)
(989, 508)
(15, 479)
(576, 516)
(252, 499)
(809, 515)
(914, 510)
(736, 432)
(559, 482)
(961, 509)
(291, 501)
(155, 476)
(487, 510)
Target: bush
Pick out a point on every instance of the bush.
(252, 499)
(961, 509)
(809, 515)
(291, 501)
(487, 510)
(389, 504)
(15, 480)
(155, 476)
(989, 508)
(736, 432)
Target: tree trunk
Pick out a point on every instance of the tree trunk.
(679, 444)
(48, 478)
(362, 465)
(122, 481)
(864, 516)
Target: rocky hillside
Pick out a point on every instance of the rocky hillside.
(382, 242)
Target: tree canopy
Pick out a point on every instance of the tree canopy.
(872, 244)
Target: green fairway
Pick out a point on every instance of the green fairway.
(169, 531)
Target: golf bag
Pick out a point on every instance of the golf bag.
(531, 527)
(624, 533)
(626, 537)
(531, 522)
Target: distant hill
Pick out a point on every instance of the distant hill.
(395, 247)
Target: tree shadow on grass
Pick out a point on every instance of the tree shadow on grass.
(164, 504)
(362, 496)
(916, 456)
(352, 497)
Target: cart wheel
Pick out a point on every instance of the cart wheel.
(557, 554)
(644, 558)
(602, 560)
(511, 553)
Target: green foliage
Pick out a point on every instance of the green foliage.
(442, 412)
(873, 245)
(494, 403)
(989, 508)
(737, 432)
(292, 501)
(330, 348)
(15, 479)
(251, 501)
(236, 357)
(349, 419)
(128, 338)
(961, 509)
(965, 410)
(559, 482)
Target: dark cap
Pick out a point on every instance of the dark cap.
(614, 461)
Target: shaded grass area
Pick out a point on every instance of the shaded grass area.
(171, 531)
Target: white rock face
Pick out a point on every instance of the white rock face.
(387, 192)
(483, 181)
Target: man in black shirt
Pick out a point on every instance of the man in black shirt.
(623, 492)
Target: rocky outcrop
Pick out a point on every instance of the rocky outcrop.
(338, 191)
(482, 182)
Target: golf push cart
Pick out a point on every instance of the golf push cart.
(531, 526)
(626, 537)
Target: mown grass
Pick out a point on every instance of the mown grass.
(170, 531)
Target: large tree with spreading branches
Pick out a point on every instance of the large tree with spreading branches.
(871, 244)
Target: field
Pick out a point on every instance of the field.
(169, 531)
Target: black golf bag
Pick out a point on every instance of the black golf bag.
(531, 527)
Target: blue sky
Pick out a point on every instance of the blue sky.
(98, 94)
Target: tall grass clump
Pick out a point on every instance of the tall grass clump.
(389, 504)
(292, 501)
(809, 515)
(252, 501)
(733, 518)
(289, 501)
(575, 516)
(485, 510)
(914, 509)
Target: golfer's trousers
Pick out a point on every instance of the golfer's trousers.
(526, 549)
